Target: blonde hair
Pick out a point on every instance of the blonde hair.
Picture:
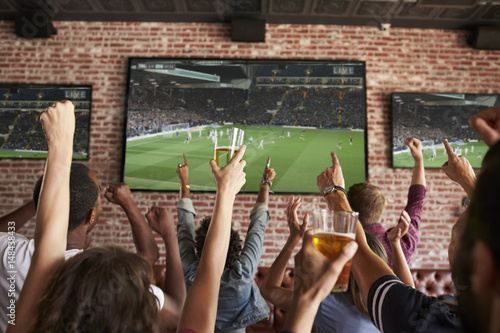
(369, 201)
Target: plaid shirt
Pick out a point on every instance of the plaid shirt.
(409, 242)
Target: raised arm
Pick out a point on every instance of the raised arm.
(259, 218)
(19, 216)
(183, 171)
(144, 240)
(200, 308)
(416, 200)
(53, 212)
(487, 124)
(265, 184)
(315, 276)
(185, 215)
(174, 288)
(418, 177)
(458, 169)
(366, 266)
(400, 266)
(270, 287)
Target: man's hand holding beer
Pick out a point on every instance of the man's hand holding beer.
(315, 275)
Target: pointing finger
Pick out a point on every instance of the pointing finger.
(335, 160)
(185, 160)
(239, 155)
(448, 148)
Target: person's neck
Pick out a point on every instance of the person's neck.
(76, 239)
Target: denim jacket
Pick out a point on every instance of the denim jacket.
(240, 302)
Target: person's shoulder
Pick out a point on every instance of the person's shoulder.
(374, 228)
(7, 238)
(390, 301)
(22, 247)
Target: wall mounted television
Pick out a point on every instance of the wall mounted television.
(21, 134)
(433, 117)
(296, 112)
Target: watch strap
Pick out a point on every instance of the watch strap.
(330, 188)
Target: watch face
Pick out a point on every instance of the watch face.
(328, 189)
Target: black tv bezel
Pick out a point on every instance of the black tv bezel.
(242, 60)
(54, 86)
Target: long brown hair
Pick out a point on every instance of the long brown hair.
(356, 296)
(100, 290)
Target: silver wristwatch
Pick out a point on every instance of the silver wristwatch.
(330, 188)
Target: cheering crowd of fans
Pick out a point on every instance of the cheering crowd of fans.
(433, 123)
(63, 284)
(150, 109)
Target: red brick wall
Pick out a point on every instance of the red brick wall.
(399, 60)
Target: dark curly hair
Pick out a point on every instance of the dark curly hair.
(234, 250)
(84, 193)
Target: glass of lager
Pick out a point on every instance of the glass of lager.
(335, 230)
(226, 145)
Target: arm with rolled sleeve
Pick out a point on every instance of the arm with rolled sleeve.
(416, 199)
(252, 250)
(186, 231)
(259, 218)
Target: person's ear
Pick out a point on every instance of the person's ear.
(91, 216)
(484, 272)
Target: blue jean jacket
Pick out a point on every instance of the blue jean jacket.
(240, 302)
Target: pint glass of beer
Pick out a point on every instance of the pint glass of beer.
(334, 233)
(227, 143)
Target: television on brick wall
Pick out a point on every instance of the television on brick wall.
(21, 133)
(296, 112)
(433, 117)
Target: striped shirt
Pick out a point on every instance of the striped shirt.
(395, 307)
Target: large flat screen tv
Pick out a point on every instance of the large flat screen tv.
(296, 112)
(21, 134)
(433, 117)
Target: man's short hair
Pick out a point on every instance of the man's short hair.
(83, 194)
(369, 201)
(234, 251)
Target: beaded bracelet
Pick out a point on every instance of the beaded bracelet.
(266, 181)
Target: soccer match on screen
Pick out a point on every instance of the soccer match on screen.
(434, 117)
(295, 112)
(21, 133)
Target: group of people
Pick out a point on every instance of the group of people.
(433, 123)
(62, 285)
(300, 106)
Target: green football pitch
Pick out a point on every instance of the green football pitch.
(151, 163)
(475, 154)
